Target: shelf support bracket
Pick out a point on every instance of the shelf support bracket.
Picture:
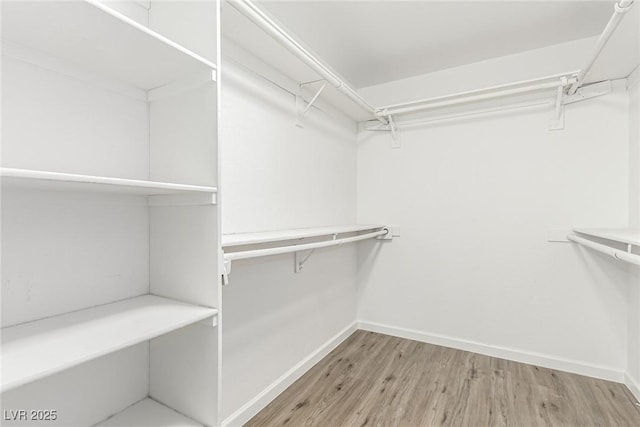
(210, 321)
(300, 260)
(226, 271)
(557, 120)
(589, 91)
(391, 126)
(395, 135)
(301, 109)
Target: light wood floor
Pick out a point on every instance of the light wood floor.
(379, 380)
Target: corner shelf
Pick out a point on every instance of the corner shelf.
(148, 413)
(105, 40)
(35, 350)
(44, 180)
(627, 236)
(241, 239)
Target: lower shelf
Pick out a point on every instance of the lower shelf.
(34, 350)
(148, 413)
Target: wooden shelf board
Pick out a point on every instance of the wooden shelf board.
(240, 239)
(148, 413)
(34, 350)
(623, 235)
(25, 178)
(99, 39)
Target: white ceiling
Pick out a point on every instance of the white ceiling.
(372, 42)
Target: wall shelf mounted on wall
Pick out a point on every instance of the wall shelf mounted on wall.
(622, 236)
(266, 243)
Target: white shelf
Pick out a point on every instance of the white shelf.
(241, 239)
(148, 413)
(623, 235)
(34, 350)
(25, 178)
(99, 39)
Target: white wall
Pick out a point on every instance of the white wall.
(527, 65)
(277, 176)
(475, 199)
(633, 356)
(633, 83)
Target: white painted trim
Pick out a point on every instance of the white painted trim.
(543, 360)
(633, 386)
(262, 399)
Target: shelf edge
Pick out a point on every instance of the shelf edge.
(118, 15)
(6, 386)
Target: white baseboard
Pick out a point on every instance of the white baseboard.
(633, 386)
(255, 405)
(546, 361)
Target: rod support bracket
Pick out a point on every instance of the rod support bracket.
(389, 234)
(589, 91)
(557, 119)
(391, 126)
(226, 271)
(302, 106)
(395, 135)
(300, 260)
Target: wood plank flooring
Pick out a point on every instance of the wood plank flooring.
(378, 380)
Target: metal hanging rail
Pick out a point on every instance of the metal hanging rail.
(563, 83)
(608, 250)
(455, 116)
(303, 247)
(384, 233)
(526, 86)
(258, 17)
(620, 9)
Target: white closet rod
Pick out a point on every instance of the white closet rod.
(620, 9)
(258, 17)
(573, 80)
(608, 250)
(307, 246)
(494, 92)
(481, 112)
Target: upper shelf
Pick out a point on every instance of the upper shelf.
(241, 239)
(628, 236)
(34, 350)
(99, 39)
(67, 181)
